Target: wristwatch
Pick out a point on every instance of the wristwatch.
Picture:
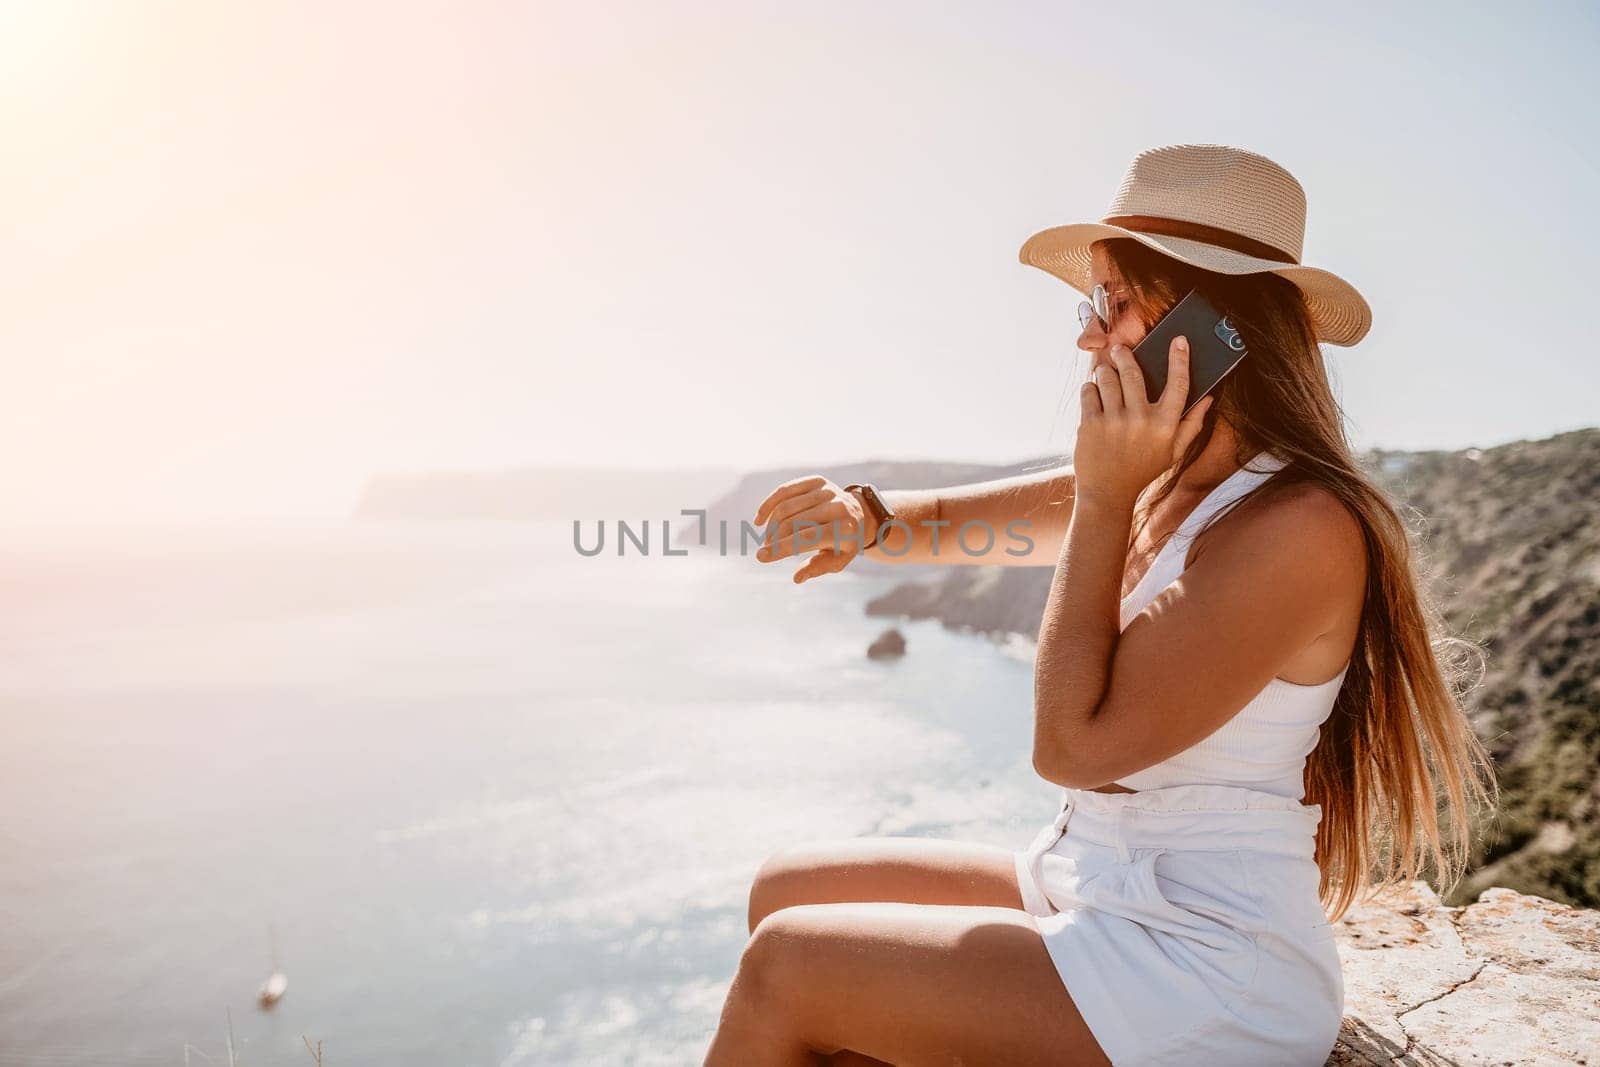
(881, 512)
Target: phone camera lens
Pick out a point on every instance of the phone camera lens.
(1228, 335)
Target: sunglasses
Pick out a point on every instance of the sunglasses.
(1098, 307)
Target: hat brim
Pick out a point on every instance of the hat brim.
(1339, 313)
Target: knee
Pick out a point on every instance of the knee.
(762, 1004)
(777, 882)
(773, 873)
(776, 942)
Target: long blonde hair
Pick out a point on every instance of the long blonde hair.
(1398, 740)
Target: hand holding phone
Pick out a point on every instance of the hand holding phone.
(1215, 348)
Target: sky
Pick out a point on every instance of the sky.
(256, 253)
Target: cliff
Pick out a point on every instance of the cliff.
(1508, 979)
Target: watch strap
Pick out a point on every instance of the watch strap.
(881, 512)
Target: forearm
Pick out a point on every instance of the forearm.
(917, 534)
(1015, 521)
(1078, 637)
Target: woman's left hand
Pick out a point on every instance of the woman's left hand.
(1124, 441)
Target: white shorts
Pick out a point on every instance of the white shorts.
(1186, 926)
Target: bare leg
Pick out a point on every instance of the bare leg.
(907, 984)
(915, 870)
(911, 870)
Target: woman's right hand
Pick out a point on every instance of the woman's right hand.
(788, 512)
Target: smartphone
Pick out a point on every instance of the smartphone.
(1215, 348)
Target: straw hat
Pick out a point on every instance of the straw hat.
(1216, 207)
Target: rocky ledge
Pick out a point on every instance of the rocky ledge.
(1507, 979)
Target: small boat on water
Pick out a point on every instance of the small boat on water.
(273, 989)
(277, 983)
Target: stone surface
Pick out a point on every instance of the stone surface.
(1507, 979)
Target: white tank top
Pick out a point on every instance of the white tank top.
(1265, 745)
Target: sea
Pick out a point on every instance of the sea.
(480, 798)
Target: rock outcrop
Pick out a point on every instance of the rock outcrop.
(891, 644)
(1507, 979)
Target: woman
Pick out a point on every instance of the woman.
(1235, 687)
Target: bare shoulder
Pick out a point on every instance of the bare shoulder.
(1303, 527)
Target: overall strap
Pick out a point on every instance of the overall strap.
(1261, 466)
